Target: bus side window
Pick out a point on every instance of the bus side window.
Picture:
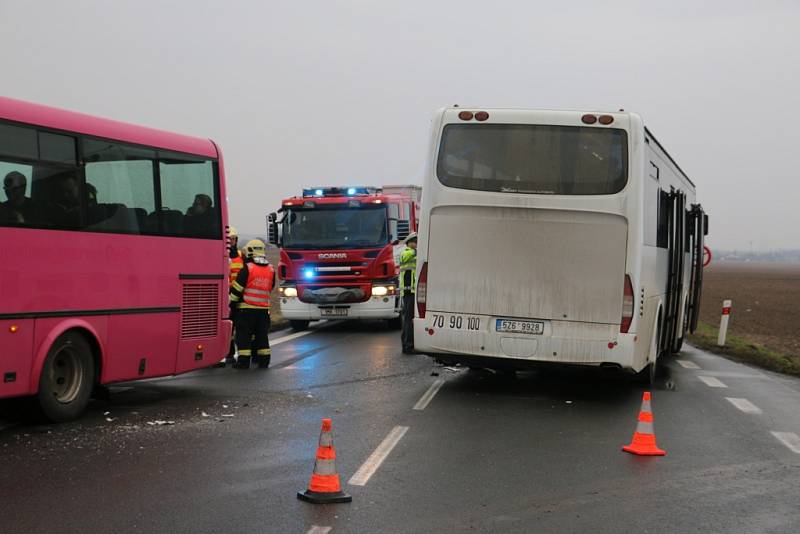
(120, 187)
(190, 187)
(662, 230)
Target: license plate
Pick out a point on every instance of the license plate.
(456, 322)
(520, 327)
(333, 312)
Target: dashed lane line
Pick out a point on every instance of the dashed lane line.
(423, 402)
(368, 468)
(686, 364)
(319, 530)
(744, 405)
(284, 339)
(790, 439)
(712, 382)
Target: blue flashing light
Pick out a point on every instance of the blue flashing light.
(308, 274)
(318, 192)
(351, 191)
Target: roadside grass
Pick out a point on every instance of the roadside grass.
(742, 350)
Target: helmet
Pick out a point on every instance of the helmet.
(255, 248)
(411, 237)
(232, 232)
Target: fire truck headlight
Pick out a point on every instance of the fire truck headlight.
(289, 291)
(379, 291)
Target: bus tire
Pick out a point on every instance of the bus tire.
(67, 378)
(298, 325)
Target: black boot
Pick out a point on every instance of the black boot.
(242, 363)
(263, 362)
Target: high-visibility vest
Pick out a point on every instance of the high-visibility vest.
(236, 265)
(259, 284)
(408, 270)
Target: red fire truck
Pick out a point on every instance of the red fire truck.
(339, 251)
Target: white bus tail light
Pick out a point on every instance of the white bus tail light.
(627, 306)
(422, 290)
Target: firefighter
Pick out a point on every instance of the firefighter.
(408, 285)
(250, 306)
(236, 264)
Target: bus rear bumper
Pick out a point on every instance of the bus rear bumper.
(590, 345)
(374, 308)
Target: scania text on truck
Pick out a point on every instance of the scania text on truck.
(339, 249)
(555, 236)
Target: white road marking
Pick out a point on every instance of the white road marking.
(710, 381)
(790, 439)
(319, 530)
(744, 405)
(732, 374)
(686, 364)
(290, 337)
(368, 468)
(423, 402)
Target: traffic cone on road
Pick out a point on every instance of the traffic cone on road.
(644, 438)
(325, 487)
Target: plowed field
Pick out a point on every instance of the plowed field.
(766, 302)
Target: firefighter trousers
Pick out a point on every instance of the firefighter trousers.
(252, 327)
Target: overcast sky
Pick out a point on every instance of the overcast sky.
(342, 92)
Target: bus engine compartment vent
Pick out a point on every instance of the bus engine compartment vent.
(199, 310)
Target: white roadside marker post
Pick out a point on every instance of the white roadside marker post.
(723, 323)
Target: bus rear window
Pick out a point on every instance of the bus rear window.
(536, 159)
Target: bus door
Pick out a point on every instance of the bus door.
(675, 204)
(697, 230)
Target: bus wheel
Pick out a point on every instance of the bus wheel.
(298, 326)
(67, 378)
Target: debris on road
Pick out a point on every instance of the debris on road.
(204, 414)
(159, 422)
(227, 415)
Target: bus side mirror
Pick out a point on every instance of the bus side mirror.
(705, 224)
(272, 229)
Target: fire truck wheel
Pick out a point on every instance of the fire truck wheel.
(67, 378)
(298, 326)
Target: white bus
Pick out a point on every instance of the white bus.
(555, 236)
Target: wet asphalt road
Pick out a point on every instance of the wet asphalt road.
(488, 453)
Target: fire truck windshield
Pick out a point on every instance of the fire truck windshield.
(335, 227)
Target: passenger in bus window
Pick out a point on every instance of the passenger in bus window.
(65, 208)
(199, 219)
(21, 208)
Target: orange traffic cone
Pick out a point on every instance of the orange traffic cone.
(324, 487)
(644, 438)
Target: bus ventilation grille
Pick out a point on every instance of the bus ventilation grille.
(200, 311)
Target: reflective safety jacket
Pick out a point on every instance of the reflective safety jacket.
(253, 284)
(237, 262)
(408, 271)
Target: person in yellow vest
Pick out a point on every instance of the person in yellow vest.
(236, 264)
(250, 294)
(408, 286)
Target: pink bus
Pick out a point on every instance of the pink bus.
(114, 261)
